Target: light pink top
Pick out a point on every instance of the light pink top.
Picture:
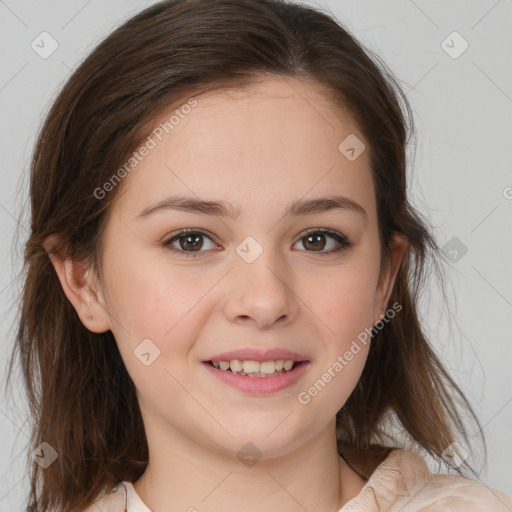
(402, 482)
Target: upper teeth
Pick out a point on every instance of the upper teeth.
(255, 366)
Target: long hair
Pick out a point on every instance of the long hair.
(82, 400)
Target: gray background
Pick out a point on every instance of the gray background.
(461, 178)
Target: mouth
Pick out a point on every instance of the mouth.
(257, 369)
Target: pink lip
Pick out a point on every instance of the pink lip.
(250, 354)
(259, 385)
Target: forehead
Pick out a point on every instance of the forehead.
(271, 108)
(277, 138)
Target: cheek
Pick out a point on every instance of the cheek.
(344, 300)
(331, 385)
(346, 336)
(348, 308)
(151, 303)
(156, 302)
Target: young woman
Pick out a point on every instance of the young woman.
(220, 304)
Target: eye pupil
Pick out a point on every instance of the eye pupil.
(319, 244)
(195, 245)
(192, 242)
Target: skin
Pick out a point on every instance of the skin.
(261, 148)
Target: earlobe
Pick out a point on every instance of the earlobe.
(76, 279)
(398, 248)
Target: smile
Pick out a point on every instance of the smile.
(262, 378)
(256, 368)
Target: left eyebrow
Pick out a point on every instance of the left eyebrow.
(299, 207)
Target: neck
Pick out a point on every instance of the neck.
(189, 476)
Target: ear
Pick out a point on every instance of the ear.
(398, 247)
(79, 284)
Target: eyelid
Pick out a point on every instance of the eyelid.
(342, 240)
(166, 244)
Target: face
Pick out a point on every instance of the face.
(305, 281)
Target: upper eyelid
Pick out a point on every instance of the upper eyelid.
(182, 232)
(302, 234)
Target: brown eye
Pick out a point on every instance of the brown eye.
(188, 242)
(191, 242)
(315, 241)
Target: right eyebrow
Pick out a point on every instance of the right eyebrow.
(299, 207)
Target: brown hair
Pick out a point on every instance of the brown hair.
(81, 397)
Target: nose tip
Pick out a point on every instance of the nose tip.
(260, 294)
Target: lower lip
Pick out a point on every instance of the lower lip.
(259, 385)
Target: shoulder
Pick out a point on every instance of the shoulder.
(449, 492)
(115, 501)
(403, 482)
(430, 492)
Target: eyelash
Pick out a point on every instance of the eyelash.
(343, 241)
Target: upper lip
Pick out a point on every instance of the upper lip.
(251, 354)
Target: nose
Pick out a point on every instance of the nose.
(261, 292)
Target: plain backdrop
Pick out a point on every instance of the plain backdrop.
(452, 59)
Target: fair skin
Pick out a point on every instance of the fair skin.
(259, 149)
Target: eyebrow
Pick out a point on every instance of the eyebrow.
(299, 207)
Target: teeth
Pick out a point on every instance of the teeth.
(236, 365)
(266, 367)
(254, 367)
(250, 366)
